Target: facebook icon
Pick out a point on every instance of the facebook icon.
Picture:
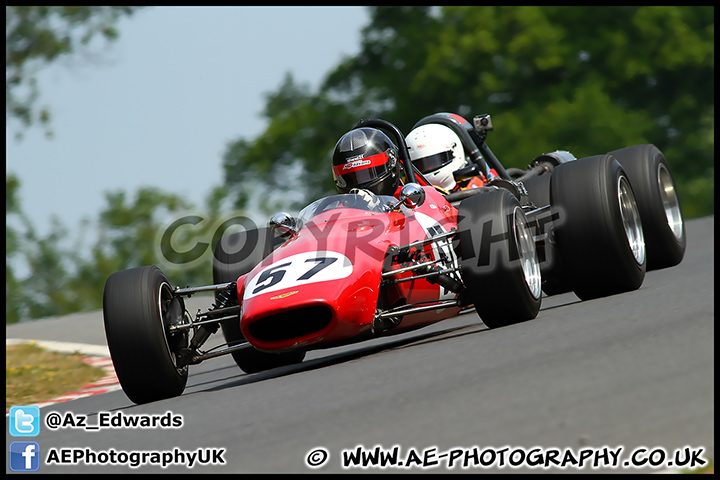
(24, 456)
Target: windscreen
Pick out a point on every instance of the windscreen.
(367, 202)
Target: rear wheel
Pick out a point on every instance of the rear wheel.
(658, 203)
(553, 283)
(234, 256)
(538, 189)
(138, 309)
(598, 228)
(500, 268)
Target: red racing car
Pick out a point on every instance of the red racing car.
(355, 266)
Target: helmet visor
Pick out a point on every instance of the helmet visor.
(363, 170)
(433, 162)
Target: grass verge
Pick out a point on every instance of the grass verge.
(33, 374)
(709, 468)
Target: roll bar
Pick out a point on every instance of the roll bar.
(474, 145)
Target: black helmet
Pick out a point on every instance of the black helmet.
(366, 158)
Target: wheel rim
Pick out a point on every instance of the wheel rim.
(175, 341)
(527, 254)
(631, 220)
(670, 201)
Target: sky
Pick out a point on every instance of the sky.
(158, 106)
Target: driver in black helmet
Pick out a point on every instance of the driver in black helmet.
(365, 158)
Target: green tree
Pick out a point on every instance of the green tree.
(291, 157)
(585, 79)
(36, 36)
(131, 232)
(53, 275)
(13, 291)
(36, 267)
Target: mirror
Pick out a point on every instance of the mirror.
(412, 195)
(283, 224)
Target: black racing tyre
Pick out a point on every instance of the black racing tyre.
(234, 256)
(500, 268)
(658, 202)
(238, 253)
(138, 309)
(598, 227)
(538, 189)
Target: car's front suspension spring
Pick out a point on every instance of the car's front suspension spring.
(222, 305)
(222, 299)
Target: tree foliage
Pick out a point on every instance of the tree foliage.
(55, 275)
(585, 79)
(38, 35)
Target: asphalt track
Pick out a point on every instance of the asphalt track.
(628, 371)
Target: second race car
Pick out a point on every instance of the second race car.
(565, 198)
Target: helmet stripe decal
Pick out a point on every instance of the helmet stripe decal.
(361, 164)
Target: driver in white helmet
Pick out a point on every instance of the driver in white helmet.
(438, 152)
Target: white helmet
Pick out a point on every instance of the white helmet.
(437, 152)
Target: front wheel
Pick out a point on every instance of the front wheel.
(500, 267)
(138, 309)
